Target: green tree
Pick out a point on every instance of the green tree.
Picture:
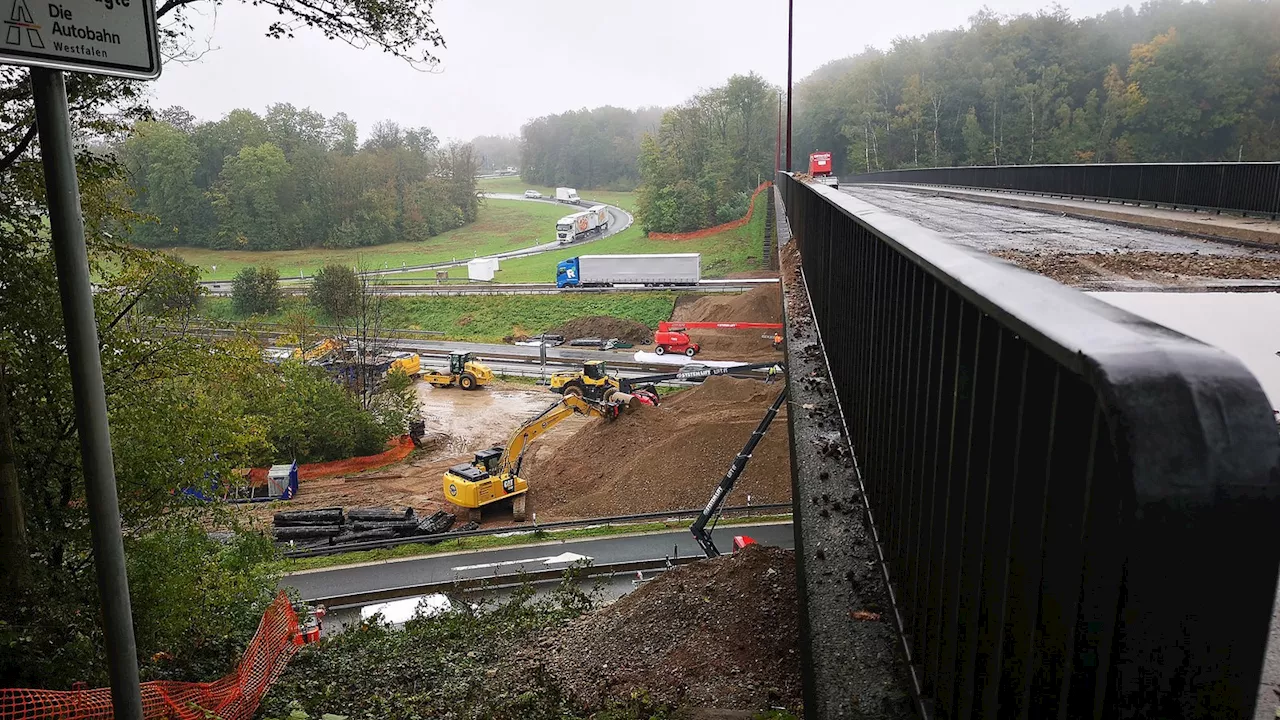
(256, 291)
(162, 161)
(335, 289)
(247, 199)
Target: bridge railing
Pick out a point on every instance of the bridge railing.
(1076, 507)
(1250, 188)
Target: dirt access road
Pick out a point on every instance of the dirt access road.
(1088, 254)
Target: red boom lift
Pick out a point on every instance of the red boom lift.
(672, 336)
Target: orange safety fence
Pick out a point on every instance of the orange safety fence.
(718, 228)
(399, 450)
(234, 697)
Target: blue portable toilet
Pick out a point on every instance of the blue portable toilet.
(282, 481)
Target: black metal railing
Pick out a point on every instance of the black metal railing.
(1250, 188)
(1076, 507)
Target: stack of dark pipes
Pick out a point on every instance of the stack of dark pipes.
(308, 525)
(328, 526)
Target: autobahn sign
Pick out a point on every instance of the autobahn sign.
(103, 37)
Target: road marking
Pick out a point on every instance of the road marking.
(563, 558)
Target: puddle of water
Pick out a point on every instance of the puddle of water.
(474, 420)
(1243, 324)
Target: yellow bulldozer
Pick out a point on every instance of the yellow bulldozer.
(464, 370)
(494, 474)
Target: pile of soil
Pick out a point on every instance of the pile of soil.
(762, 304)
(1100, 269)
(715, 634)
(604, 326)
(668, 457)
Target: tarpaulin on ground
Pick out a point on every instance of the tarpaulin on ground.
(718, 228)
(234, 697)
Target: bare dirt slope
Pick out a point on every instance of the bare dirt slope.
(762, 304)
(605, 326)
(717, 634)
(664, 458)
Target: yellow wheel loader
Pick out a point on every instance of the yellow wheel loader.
(494, 474)
(464, 370)
(593, 382)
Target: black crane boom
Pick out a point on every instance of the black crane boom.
(712, 510)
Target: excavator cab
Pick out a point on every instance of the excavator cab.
(489, 460)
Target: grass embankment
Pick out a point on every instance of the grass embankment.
(724, 253)
(481, 542)
(487, 318)
(624, 200)
(501, 226)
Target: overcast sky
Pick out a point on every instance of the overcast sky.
(511, 60)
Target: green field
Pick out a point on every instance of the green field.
(513, 184)
(489, 318)
(503, 225)
(732, 251)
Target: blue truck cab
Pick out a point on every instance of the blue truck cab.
(567, 274)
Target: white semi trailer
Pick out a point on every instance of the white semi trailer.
(652, 270)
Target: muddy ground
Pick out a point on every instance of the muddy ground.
(1131, 270)
(458, 424)
(718, 634)
(666, 458)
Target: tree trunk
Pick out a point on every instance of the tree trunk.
(15, 560)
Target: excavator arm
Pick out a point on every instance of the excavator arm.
(570, 405)
(712, 510)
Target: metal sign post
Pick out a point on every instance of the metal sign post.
(105, 37)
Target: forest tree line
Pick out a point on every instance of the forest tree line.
(586, 148)
(707, 155)
(292, 179)
(1170, 82)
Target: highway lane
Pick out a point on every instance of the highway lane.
(443, 568)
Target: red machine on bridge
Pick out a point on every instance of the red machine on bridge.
(672, 336)
(822, 170)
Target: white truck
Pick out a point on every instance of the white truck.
(582, 225)
(650, 270)
(566, 195)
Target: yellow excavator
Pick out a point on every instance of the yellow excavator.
(494, 474)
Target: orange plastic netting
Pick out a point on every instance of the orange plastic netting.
(234, 697)
(399, 450)
(718, 228)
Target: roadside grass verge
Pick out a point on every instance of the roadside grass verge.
(724, 253)
(483, 542)
(502, 225)
(484, 318)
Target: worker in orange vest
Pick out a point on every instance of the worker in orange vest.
(777, 341)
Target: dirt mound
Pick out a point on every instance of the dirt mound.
(762, 304)
(664, 458)
(714, 634)
(604, 326)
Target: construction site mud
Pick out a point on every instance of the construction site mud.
(718, 634)
(1127, 270)
(663, 458)
(605, 327)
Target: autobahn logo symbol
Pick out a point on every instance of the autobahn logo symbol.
(20, 19)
